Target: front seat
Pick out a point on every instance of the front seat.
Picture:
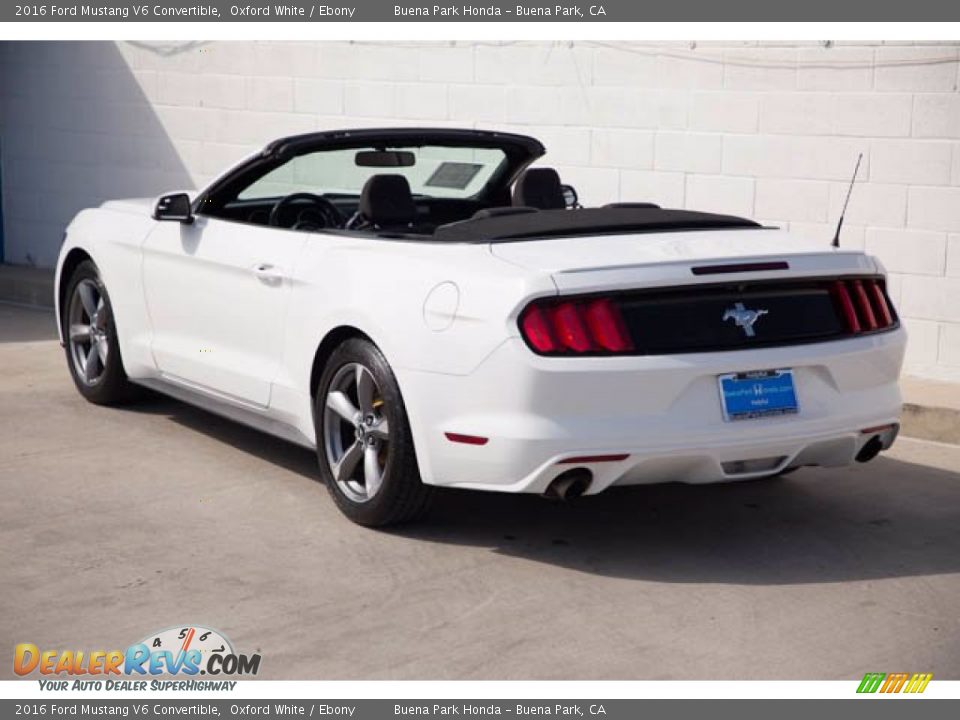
(539, 188)
(386, 203)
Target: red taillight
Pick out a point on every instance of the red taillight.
(842, 296)
(538, 330)
(568, 323)
(880, 304)
(863, 304)
(575, 326)
(607, 327)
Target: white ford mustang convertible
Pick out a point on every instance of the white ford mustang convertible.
(423, 308)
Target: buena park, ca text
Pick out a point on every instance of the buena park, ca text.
(450, 11)
(468, 710)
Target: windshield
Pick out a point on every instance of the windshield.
(431, 170)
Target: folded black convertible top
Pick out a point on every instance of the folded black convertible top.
(584, 221)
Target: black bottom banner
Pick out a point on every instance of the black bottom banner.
(873, 708)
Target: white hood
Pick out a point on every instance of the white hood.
(134, 205)
(140, 206)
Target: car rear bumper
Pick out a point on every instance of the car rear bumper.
(662, 413)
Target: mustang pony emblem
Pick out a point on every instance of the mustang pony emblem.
(743, 318)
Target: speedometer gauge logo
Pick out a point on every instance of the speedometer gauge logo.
(189, 650)
(193, 639)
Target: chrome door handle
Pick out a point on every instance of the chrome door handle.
(268, 273)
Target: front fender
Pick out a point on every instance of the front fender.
(113, 239)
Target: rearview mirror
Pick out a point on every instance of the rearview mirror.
(570, 198)
(385, 158)
(174, 207)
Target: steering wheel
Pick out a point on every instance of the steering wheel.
(319, 208)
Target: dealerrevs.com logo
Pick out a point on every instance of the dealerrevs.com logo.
(898, 682)
(185, 651)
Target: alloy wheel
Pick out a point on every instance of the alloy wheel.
(356, 433)
(88, 320)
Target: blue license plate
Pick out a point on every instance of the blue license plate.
(757, 394)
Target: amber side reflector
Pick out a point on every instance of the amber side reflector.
(466, 439)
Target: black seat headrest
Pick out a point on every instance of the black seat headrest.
(386, 201)
(539, 188)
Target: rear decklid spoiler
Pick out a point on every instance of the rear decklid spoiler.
(613, 262)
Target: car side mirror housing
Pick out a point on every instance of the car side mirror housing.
(570, 197)
(174, 207)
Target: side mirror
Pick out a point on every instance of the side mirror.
(570, 198)
(174, 207)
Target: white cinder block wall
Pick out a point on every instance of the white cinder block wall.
(768, 130)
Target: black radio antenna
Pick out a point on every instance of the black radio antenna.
(836, 235)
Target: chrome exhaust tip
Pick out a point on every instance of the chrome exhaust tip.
(569, 484)
(870, 450)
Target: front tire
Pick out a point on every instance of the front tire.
(90, 339)
(364, 443)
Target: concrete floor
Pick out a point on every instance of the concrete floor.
(118, 522)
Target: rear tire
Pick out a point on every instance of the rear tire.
(364, 443)
(90, 339)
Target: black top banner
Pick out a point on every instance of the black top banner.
(484, 11)
(150, 708)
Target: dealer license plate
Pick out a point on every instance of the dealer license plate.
(757, 394)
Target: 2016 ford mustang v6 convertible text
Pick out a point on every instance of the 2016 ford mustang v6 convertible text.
(424, 309)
